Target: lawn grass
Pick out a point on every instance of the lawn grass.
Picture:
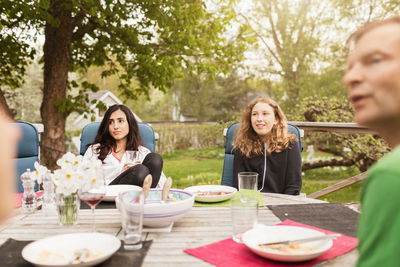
(204, 166)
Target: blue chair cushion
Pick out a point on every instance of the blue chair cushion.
(89, 133)
(227, 170)
(28, 151)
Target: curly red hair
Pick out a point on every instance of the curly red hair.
(251, 144)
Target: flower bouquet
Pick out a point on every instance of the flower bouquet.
(74, 173)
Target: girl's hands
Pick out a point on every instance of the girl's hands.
(128, 165)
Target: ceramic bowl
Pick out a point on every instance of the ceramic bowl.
(158, 214)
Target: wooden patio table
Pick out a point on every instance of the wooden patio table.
(201, 226)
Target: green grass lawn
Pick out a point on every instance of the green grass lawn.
(204, 166)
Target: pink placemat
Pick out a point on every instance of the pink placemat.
(18, 198)
(229, 253)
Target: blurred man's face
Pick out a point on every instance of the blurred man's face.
(373, 77)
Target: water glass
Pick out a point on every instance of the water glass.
(132, 219)
(248, 182)
(244, 216)
(132, 156)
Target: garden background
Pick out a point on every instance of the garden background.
(184, 60)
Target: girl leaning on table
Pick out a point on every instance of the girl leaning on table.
(117, 134)
(263, 145)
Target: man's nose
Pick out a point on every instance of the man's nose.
(353, 76)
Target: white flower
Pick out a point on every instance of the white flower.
(75, 173)
(40, 171)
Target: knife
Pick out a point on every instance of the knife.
(301, 240)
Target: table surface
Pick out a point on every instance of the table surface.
(201, 226)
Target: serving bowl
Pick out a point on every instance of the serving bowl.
(157, 213)
(112, 191)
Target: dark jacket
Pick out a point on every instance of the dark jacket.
(283, 170)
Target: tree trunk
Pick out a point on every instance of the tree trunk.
(4, 109)
(57, 60)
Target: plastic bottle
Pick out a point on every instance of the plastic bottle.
(29, 195)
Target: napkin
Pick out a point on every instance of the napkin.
(229, 253)
(225, 203)
(10, 255)
(330, 216)
(18, 198)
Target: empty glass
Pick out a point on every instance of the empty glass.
(248, 182)
(244, 216)
(132, 156)
(132, 219)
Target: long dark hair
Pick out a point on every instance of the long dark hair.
(107, 142)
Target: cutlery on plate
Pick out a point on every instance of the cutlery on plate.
(166, 188)
(146, 185)
(301, 240)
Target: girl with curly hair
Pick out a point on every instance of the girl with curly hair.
(263, 145)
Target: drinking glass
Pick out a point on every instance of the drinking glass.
(244, 216)
(132, 218)
(248, 182)
(133, 156)
(93, 192)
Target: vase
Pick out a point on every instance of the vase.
(67, 208)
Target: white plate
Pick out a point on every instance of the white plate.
(211, 188)
(59, 250)
(301, 252)
(112, 191)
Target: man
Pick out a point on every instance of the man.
(9, 135)
(373, 80)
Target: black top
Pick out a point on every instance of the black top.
(283, 170)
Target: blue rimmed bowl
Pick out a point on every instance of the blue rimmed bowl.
(158, 214)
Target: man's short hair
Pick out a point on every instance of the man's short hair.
(367, 27)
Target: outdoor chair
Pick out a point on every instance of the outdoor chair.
(227, 171)
(28, 151)
(89, 132)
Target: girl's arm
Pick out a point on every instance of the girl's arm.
(293, 171)
(238, 166)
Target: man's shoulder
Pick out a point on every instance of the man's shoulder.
(390, 162)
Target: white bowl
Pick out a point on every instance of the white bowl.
(157, 214)
(200, 192)
(301, 252)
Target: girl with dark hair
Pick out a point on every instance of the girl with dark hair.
(117, 134)
(263, 145)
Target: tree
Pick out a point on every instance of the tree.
(146, 43)
(350, 149)
(291, 41)
(219, 99)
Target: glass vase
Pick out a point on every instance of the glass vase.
(67, 208)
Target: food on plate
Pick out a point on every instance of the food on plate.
(45, 256)
(291, 248)
(210, 193)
